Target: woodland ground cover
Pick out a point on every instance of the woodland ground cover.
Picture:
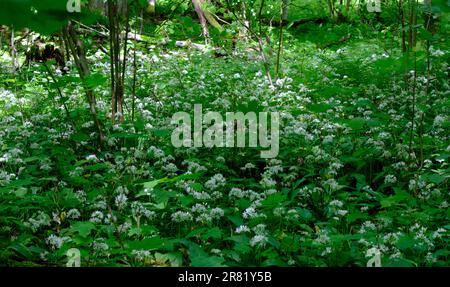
(362, 167)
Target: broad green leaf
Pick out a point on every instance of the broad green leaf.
(273, 200)
(83, 228)
(153, 243)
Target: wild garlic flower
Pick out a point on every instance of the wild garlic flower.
(217, 213)
(181, 216)
(390, 179)
(250, 213)
(198, 208)
(215, 182)
(141, 255)
(237, 192)
(123, 228)
(97, 217)
(259, 241)
(138, 210)
(40, 220)
(121, 201)
(56, 242)
(242, 229)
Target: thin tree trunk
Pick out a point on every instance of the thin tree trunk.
(412, 24)
(257, 37)
(124, 62)
(14, 61)
(285, 9)
(347, 5)
(76, 47)
(118, 65)
(133, 103)
(201, 17)
(112, 31)
(402, 17)
(331, 9)
(428, 19)
(283, 17)
(61, 96)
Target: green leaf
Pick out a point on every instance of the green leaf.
(442, 253)
(319, 108)
(154, 183)
(241, 243)
(199, 258)
(80, 137)
(95, 80)
(236, 220)
(214, 233)
(304, 213)
(196, 186)
(42, 16)
(354, 216)
(435, 178)
(405, 242)
(153, 243)
(207, 261)
(356, 123)
(83, 228)
(400, 196)
(274, 262)
(400, 262)
(20, 192)
(162, 132)
(22, 250)
(162, 196)
(273, 200)
(151, 185)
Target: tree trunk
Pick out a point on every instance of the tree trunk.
(201, 17)
(103, 6)
(331, 9)
(285, 5)
(402, 20)
(76, 47)
(347, 5)
(118, 65)
(412, 24)
(14, 61)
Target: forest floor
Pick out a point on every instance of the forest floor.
(362, 170)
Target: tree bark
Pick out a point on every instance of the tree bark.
(118, 66)
(402, 20)
(201, 17)
(14, 61)
(412, 24)
(331, 9)
(76, 46)
(285, 5)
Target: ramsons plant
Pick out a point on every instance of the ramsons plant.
(362, 169)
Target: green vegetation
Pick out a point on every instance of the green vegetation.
(86, 159)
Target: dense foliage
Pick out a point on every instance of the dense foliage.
(363, 167)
